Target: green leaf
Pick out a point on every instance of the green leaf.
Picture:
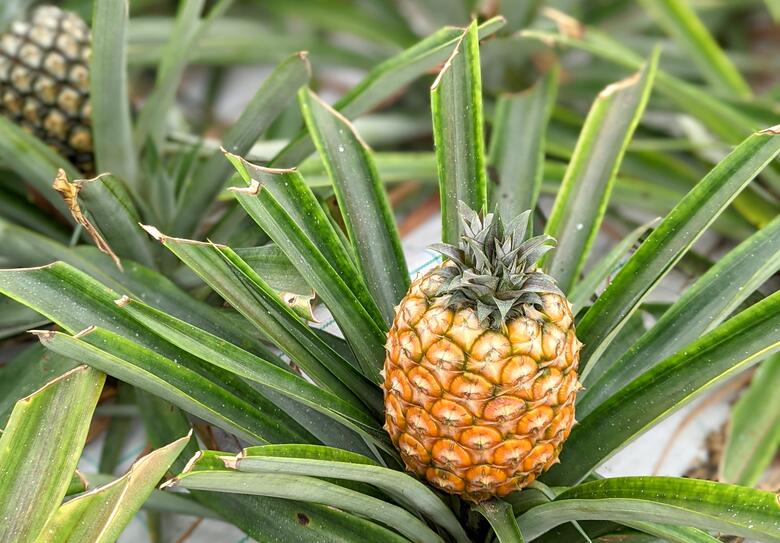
(709, 301)
(292, 521)
(707, 505)
(501, 518)
(270, 263)
(670, 240)
(362, 200)
(386, 79)
(231, 358)
(456, 105)
(722, 118)
(582, 291)
(111, 126)
(102, 514)
(187, 30)
(269, 101)
(331, 463)
(754, 431)
(582, 201)
(307, 489)
(27, 372)
(744, 339)
(76, 301)
(16, 318)
(285, 208)
(33, 161)
(774, 9)
(185, 388)
(516, 156)
(113, 213)
(237, 283)
(680, 21)
(49, 426)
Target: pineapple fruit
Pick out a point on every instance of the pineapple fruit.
(481, 365)
(44, 81)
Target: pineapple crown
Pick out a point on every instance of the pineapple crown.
(494, 268)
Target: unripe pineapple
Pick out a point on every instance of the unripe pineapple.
(481, 366)
(44, 81)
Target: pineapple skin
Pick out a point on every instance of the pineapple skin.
(473, 411)
(44, 81)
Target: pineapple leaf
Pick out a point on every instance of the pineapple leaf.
(50, 425)
(711, 506)
(334, 464)
(584, 289)
(257, 422)
(754, 430)
(586, 188)
(516, 155)
(216, 351)
(188, 29)
(728, 122)
(681, 22)
(111, 125)
(237, 283)
(362, 201)
(289, 213)
(670, 241)
(386, 79)
(308, 489)
(101, 515)
(704, 305)
(270, 263)
(269, 101)
(734, 345)
(34, 161)
(456, 105)
(502, 519)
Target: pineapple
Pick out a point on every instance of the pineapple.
(44, 81)
(481, 365)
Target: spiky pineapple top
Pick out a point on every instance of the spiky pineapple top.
(493, 268)
(44, 81)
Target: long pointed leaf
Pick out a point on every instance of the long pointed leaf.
(501, 518)
(754, 431)
(363, 202)
(670, 240)
(456, 105)
(582, 201)
(679, 20)
(40, 448)
(325, 462)
(708, 302)
(309, 489)
(270, 100)
(517, 145)
(111, 127)
(236, 282)
(152, 372)
(669, 500)
(101, 515)
(742, 340)
(385, 80)
(232, 358)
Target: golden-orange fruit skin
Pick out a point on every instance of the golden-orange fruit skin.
(479, 412)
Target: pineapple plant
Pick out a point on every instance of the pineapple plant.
(481, 369)
(297, 432)
(44, 81)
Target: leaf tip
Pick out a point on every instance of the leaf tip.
(567, 25)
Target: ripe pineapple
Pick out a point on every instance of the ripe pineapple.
(44, 81)
(481, 366)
